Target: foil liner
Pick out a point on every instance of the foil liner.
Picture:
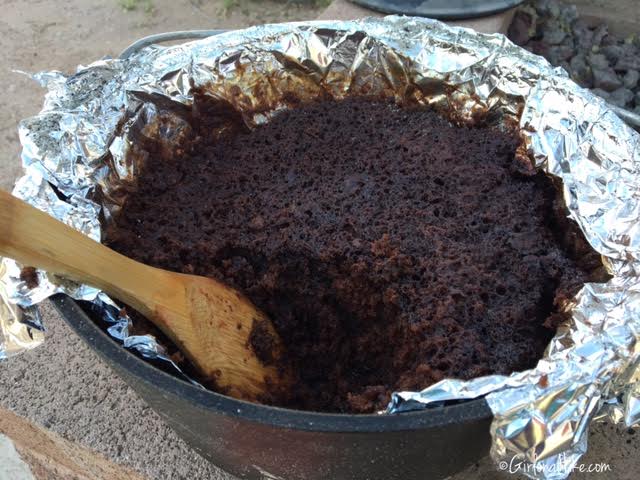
(83, 147)
(20, 328)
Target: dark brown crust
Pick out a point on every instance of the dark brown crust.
(390, 248)
(262, 342)
(29, 275)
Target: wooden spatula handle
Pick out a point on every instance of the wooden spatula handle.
(35, 239)
(211, 323)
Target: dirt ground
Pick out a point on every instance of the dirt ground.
(40, 35)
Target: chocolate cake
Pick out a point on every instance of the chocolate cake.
(390, 248)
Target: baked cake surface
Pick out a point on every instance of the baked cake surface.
(390, 248)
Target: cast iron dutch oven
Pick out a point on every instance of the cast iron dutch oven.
(259, 442)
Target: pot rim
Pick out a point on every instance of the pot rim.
(111, 352)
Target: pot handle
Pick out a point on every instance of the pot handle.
(138, 45)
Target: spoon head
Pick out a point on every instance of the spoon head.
(232, 344)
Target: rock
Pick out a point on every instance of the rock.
(594, 57)
(522, 28)
(584, 40)
(637, 110)
(549, 8)
(598, 61)
(559, 53)
(606, 79)
(612, 52)
(569, 42)
(627, 56)
(581, 71)
(553, 33)
(621, 97)
(599, 33)
(579, 62)
(628, 63)
(538, 47)
(568, 13)
(541, 6)
(553, 8)
(630, 79)
(601, 93)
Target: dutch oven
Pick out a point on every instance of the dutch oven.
(260, 442)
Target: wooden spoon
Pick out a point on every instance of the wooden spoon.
(215, 326)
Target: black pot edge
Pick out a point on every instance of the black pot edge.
(497, 6)
(111, 352)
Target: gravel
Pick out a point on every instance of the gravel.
(601, 93)
(630, 79)
(606, 79)
(621, 97)
(593, 57)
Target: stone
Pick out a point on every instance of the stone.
(559, 53)
(612, 52)
(609, 40)
(552, 8)
(522, 28)
(541, 6)
(581, 71)
(600, 33)
(538, 47)
(630, 79)
(621, 97)
(598, 61)
(568, 13)
(583, 39)
(553, 33)
(606, 79)
(582, 33)
(601, 93)
(628, 63)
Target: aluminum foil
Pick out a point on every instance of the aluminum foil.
(85, 144)
(20, 328)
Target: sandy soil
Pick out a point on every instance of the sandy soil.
(40, 35)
